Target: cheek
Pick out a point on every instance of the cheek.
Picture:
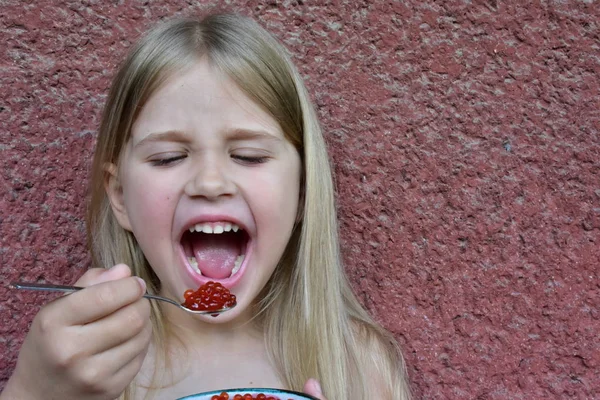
(278, 196)
(149, 207)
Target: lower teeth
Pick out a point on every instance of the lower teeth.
(238, 265)
(194, 264)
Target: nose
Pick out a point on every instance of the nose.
(209, 179)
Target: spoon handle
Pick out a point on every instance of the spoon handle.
(48, 287)
(44, 287)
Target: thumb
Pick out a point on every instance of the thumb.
(95, 276)
(313, 388)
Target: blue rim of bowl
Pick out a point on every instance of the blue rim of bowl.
(247, 390)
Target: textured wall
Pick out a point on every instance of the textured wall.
(465, 137)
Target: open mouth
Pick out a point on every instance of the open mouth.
(215, 250)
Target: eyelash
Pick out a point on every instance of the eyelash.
(167, 161)
(250, 160)
(162, 162)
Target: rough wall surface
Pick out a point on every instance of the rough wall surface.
(465, 139)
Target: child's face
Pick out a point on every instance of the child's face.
(203, 154)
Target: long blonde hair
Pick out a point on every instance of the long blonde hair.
(313, 324)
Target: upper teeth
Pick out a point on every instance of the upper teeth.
(215, 227)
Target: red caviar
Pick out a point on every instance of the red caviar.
(211, 296)
(247, 396)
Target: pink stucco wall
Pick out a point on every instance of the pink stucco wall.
(465, 137)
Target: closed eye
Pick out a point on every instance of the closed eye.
(250, 159)
(165, 161)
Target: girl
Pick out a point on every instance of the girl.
(210, 165)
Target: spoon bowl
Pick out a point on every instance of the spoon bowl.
(47, 287)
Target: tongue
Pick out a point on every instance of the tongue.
(216, 254)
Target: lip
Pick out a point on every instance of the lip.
(199, 280)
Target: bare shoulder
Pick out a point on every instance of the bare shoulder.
(380, 361)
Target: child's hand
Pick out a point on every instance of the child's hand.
(313, 388)
(87, 345)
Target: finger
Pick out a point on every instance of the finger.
(313, 388)
(128, 351)
(127, 373)
(98, 275)
(117, 327)
(97, 301)
(118, 360)
(110, 372)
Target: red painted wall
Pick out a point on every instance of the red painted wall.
(465, 137)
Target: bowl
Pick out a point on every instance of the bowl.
(277, 393)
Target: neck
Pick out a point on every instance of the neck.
(201, 331)
(198, 353)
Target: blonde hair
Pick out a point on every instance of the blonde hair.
(313, 324)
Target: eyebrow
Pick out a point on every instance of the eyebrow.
(250, 134)
(237, 134)
(167, 136)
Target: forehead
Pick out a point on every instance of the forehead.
(201, 97)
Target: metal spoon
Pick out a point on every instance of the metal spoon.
(46, 287)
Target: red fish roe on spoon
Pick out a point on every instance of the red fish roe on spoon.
(211, 296)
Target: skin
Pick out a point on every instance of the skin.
(93, 343)
(90, 344)
(201, 150)
(87, 345)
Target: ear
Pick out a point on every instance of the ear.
(114, 191)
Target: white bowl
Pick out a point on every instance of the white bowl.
(278, 393)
